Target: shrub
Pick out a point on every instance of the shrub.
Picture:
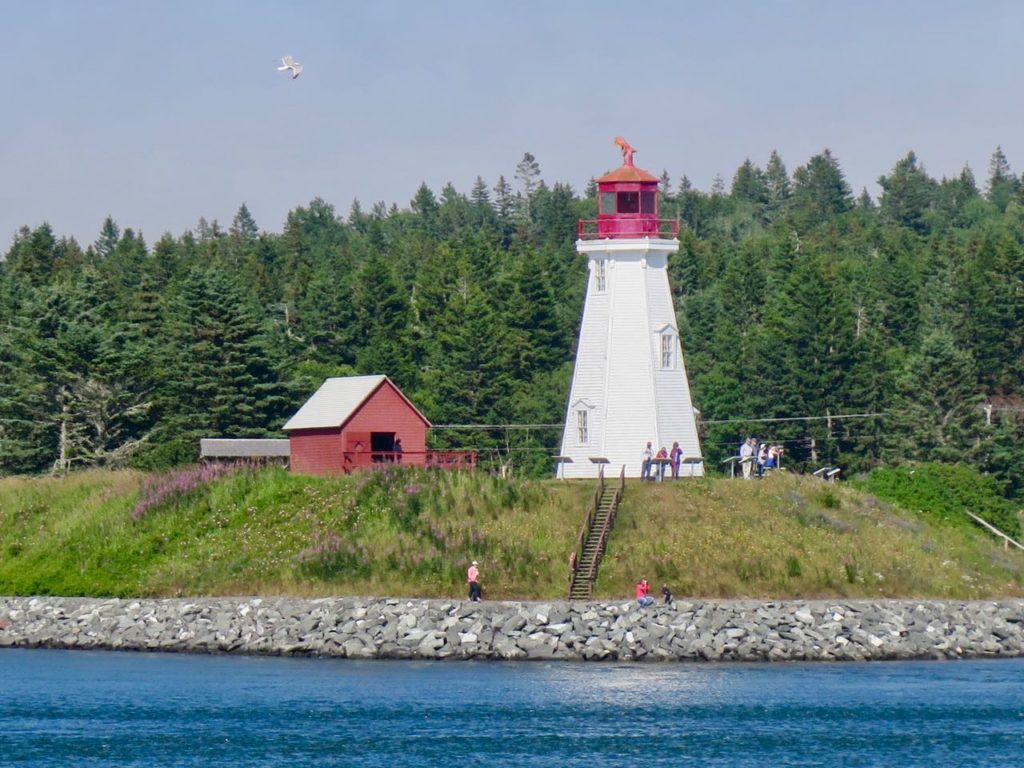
(945, 492)
(158, 489)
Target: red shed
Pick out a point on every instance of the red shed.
(356, 422)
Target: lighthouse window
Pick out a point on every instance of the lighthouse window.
(647, 202)
(581, 426)
(607, 202)
(668, 349)
(600, 276)
(629, 202)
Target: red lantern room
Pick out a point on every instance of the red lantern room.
(627, 204)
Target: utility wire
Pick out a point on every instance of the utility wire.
(496, 426)
(702, 421)
(795, 418)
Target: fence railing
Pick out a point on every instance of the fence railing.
(440, 459)
(1006, 539)
(597, 229)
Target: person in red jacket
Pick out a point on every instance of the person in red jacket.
(642, 598)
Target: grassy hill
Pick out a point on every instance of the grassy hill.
(409, 532)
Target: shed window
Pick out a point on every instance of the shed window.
(582, 435)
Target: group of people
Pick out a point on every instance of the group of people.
(644, 598)
(652, 466)
(757, 457)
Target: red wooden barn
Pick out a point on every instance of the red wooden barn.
(356, 422)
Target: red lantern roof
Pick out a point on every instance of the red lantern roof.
(628, 173)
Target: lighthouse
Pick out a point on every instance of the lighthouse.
(629, 385)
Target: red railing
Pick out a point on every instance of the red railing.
(442, 459)
(618, 228)
(452, 459)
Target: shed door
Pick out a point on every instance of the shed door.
(382, 444)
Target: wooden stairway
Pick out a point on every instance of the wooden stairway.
(593, 538)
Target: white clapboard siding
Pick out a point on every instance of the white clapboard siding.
(618, 378)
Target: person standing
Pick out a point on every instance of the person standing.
(646, 456)
(397, 449)
(473, 578)
(747, 458)
(662, 459)
(676, 455)
(762, 458)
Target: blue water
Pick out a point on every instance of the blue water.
(124, 709)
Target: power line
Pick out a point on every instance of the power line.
(702, 421)
(497, 426)
(795, 418)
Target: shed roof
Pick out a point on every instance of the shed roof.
(338, 399)
(214, 447)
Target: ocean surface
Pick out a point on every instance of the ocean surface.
(78, 708)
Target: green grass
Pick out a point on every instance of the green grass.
(409, 532)
(792, 536)
(400, 532)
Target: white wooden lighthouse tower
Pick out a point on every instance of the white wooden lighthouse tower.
(629, 385)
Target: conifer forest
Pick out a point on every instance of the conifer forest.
(857, 332)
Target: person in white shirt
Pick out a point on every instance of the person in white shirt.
(647, 455)
(746, 456)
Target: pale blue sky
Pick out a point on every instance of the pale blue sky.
(158, 113)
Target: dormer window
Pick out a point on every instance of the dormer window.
(668, 351)
(582, 420)
(582, 427)
(667, 343)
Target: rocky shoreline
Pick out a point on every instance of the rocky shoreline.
(393, 628)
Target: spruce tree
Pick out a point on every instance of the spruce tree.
(934, 415)
(1002, 184)
(382, 317)
(777, 181)
(221, 378)
(820, 191)
(908, 194)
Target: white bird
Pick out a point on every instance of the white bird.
(288, 63)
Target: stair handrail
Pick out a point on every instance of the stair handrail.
(595, 502)
(606, 527)
(1006, 539)
(581, 540)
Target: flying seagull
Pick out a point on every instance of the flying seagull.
(287, 62)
